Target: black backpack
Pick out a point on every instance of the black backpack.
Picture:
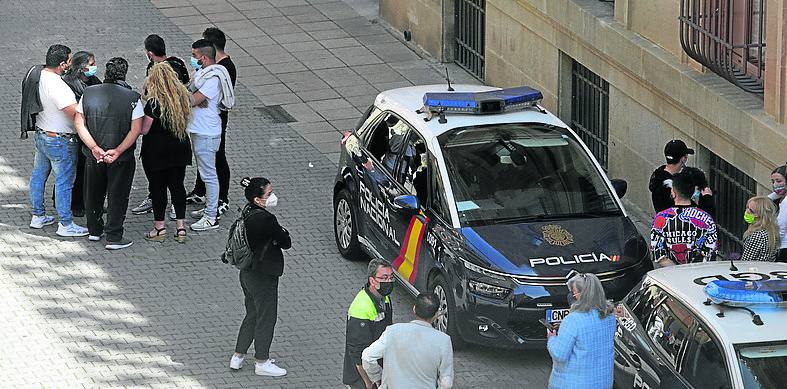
(237, 252)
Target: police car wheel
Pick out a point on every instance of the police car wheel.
(444, 322)
(345, 226)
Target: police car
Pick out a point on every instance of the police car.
(705, 326)
(489, 201)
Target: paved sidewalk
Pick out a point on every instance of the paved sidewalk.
(166, 315)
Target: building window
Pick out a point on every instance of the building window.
(590, 110)
(727, 37)
(470, 25)
(731, 189)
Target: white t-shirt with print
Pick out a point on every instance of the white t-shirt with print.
(55, 95)
(206, 121)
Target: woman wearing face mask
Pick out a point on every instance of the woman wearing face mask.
(582, 352)
(778, 182)
(79, 75)
(260, 282)
(761, 240)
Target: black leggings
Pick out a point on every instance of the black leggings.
(261, 292)
(222, 167)
(168, 178)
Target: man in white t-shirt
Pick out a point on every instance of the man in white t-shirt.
(205, 131)
(109, 121)
(56, 145)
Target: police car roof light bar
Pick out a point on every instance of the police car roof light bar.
(481, 103)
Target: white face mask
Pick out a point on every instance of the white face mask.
(271, 201)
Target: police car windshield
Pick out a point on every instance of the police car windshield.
(763, 365)
(517, 172)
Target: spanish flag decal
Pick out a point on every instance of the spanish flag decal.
(407, 261)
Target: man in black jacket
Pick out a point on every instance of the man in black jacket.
(109, 120)
(260, 283)
(676, 153)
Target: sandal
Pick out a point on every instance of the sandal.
(160, 235)
(180, 235)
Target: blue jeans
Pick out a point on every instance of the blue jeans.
(205, 148)
(58, 155)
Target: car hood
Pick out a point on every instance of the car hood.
(554, 248)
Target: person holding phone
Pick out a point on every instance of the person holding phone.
(582, 353)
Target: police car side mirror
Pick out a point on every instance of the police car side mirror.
(620, 186)
(406, 202)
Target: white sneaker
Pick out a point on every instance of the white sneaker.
(144, 207)
(236, 362)
(71, 230)
(172, 214)
(205, 224)
(41, 221)
(267, 368)
(94, 238)
(223, 208)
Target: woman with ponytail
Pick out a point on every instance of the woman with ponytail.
(761, 240)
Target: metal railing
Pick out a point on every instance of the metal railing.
(728, 37)
(731, 189)
(470, 30)
(590, 110)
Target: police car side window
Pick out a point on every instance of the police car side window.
(411, 171)
(704, 365)
(364, 122)
(669, 328)
(644, 301)
(386, 140)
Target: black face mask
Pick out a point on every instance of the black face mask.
(385, 288)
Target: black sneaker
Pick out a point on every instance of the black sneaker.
(193, 198)
(223, 207)
(121, 244)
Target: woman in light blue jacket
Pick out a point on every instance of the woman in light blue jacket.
(582, 351)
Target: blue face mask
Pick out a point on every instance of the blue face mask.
(195, 64)
(91, 71)
(696, 196)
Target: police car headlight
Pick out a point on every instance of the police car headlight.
(487, 290)
(480, 270)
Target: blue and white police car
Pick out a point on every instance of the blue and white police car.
(706, 325)
(486, 199)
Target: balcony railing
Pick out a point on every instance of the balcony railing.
(728, 37)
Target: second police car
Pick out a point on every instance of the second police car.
(488, 200)
(705, 325)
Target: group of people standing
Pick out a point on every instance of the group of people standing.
(684, 230)
(86, 132)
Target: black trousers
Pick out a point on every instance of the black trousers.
(222, 167)
(261, 293)
(111, 182)
(168, 178)
(77, 191)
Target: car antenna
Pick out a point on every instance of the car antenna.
(447, 78)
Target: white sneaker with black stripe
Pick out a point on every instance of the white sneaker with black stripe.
(205, 224)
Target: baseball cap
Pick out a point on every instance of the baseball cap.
(675, 150)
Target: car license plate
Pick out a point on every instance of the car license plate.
(556, 315)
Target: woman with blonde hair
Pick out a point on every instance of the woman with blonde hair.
(582, 350)
(166, 149)
(761, 240)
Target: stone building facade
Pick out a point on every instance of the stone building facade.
(619, 70)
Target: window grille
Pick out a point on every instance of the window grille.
(470, 25)
(731, 189)
(590, 110)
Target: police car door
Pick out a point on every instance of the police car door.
(649, 339)
(377, 188)
(412, 178)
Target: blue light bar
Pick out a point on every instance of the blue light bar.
(480, 103)
(747, 293)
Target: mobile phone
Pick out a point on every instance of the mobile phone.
(546, 324)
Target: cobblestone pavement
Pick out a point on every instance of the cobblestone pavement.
(166, 315)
